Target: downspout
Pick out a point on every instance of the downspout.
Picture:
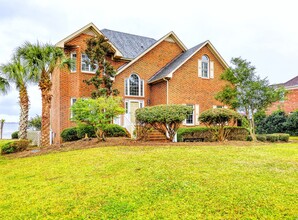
(167, 89)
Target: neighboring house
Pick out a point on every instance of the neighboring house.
(149, 72)
(290, 103)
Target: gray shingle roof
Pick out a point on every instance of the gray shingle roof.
(174, 63)
(128, 44)
(291, 82)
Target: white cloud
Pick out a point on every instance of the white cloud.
(263, 32)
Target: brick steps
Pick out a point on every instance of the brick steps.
(156, 136)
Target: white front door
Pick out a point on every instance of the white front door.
(130, 116)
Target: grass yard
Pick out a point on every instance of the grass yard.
(177, 182)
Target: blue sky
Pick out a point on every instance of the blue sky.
(263, 32)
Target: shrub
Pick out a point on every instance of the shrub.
(83, 129)
(69, 134)
(292, 124)
(272, 137)
(14, 146)
(206, 134)
(203, 133)
(283, 137)
(15, 135)
(274, 123)
(261, 137)
(217, 118)
(113, 130)
(164, 118)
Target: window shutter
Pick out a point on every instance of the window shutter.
(211, 69)
(126, 86)
(200, 68)
(184, 121)
(197, 114)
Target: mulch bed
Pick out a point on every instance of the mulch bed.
(119, 141)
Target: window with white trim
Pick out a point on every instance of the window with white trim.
(86, 65)
(190, 118)
(205, 66)
(72, 101)
(73, 57)
(134, 86)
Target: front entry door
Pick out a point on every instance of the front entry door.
(130, 116)
(134, 105)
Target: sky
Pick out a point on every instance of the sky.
(263, 32)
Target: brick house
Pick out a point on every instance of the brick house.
(149, 72)
(290, 104)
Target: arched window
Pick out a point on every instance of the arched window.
(134, 86)
(205, 66)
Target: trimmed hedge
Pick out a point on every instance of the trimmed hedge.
(113, 130)
(283, 137)
(77, 133)
(205, 134)
(14, 146)
(271, 137)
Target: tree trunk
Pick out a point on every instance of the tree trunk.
(1, 127)
(252, 128)
(24, 104)
(45, 86)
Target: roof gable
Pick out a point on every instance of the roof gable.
(171, 36)
(89, 29)
(171, 67)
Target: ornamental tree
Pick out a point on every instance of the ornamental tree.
(247, 92)
(217, 119)
(164, 118)
(97, 50)
(97, 112)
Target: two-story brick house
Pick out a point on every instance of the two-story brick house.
(290, 103)
(149, 72)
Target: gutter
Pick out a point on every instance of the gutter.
(167, 89)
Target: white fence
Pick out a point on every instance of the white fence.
(34, 136)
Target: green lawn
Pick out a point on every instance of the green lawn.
(204, 182)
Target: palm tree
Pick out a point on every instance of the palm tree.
(18, 74)
(42, 60)
(4, 85)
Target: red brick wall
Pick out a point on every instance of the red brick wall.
(147, 66)
(289, 105)
(67, 85)
(186, 87)
(158, 93)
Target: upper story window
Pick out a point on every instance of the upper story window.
(206, 67)
(73, 57)
(134, 86)
(86, 65)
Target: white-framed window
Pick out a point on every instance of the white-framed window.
(72, 101)
(134, 86)
(73, 57)
(190, 120)
(86, 65)
(206, 68)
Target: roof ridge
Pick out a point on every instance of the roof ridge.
(127, 33)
